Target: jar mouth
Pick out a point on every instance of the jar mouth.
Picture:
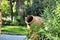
(29, 18)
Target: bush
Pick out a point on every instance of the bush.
(18, 21)
(6, 22)
(14, 23)
(51, 29)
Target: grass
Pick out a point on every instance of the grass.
(15, 29)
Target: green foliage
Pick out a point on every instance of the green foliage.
(5, 7)
(36, 8)
(6, 22)
(51, 29)
(18, 21)
(50, 11)
(15, 22)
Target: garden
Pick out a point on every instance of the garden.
(42, 16)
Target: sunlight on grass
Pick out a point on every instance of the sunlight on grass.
(15, 29)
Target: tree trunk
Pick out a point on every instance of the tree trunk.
(11, 5)
(20, 7)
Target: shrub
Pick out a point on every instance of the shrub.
(51, 29)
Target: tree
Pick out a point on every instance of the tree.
(20, 10)
(20, 7)
(5, 8)
(11, 5)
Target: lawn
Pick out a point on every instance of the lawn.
(15, 29)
